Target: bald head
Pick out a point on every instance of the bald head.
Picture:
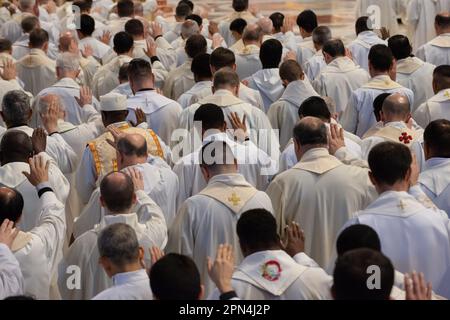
(16, 146)
(117, 192)
(11, 204)
(266, 25)
(132, 145)
(442, 23)
(396, 107)
(252, 34)
(67, 42)
(311, 132)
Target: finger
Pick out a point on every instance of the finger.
(244, 118)
(27, 175)
(3, 225)
(429, 290)
(47, 165)
(422, 283)
(209, 264)
(341, 133)
(15, 232)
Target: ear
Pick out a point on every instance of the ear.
(3, 117)
(202, 292)
(205, 173)
(141, 253)
(234, 66)
(224, 127)
(78, 72)
(102, 202)
(408, 174)
(372, 179)
(213, 89)
(134, 198)
(284, 82)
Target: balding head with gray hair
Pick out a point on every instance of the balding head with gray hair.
(396, 107)
(226, 78)
(16, 109)
(189, 28)
(252, 34)
(67, 65)
(320, 36)
(265, 24)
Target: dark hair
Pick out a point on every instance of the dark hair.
(380, 57)
(5, 45)
(196, 18)
(200, 66)
(442, 21)
(378, 104)
(29, 23)
(16, 145)
(240, 5)
(334, 47)
(188, 2)
(38, 37)
(400, 46)
(87, 25)
(320, 35)
(238, 25)
(183, 9)
(441, 76)
(123, 42)
(222, 57)
(134, 27)
(195, 45)
(437, 137)
(127, 148)
(290, 70)
(175, 277)
(125, 8)
(311, 133)
(257, 229)
(357, 236)
(352, 271)
(118, 197)
(314, 107)
(225, 77)
(11, 205)
(362, 24)
(307, 20)
(389, 162)
(270, 53)
(215, 154)
(210, 115)
(277, 20)
(123, 72)
(83, 5)
(139, 69)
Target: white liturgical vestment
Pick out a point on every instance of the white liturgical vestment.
(387, 14)
(179, 80)
(305, 51)
(247, 61)
(437, 107)
(435, 182)
(360, 47)
(200, 90)
(107, 77)
(11, 279)
(436, 51)
(269, 85)
(315, 65)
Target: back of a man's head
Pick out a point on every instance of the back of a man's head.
(139, 70)
(442, 22)
(119, 244)
(16, 108)
(362, 24)
(26, 5)
(29, 23)
(123, 73)
(240, 5)
(182, 10)
(270, 53)
(123, 42)
(277, 21)
(441, 78)
(315, 107)
(222, 57)
(266, 25)
(334, 47)
(210, 115)
(38, 38)
(195, 44)
(311, 131)
(257, 231)
(395, 107)
(225, 78)
(5, 45)
(238, 25)
(85, 6)
(381, 58)
(189, 28)
(252, 33)
(67, 62)
(175, 277)
(15, 146)
(11, 204)
(196, 18)
(217, 158)
(87, 25)
(117, 192)
(320, 35)
(200, 67)
(437, 139)
(351, 273)
(290, 71)
(125, 8)
(400, 46)
(307, 20)
(134, 27)
(378, 104)
(389, 162)
(357, 236)
(132, 145)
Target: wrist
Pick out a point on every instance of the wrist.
(225, 287)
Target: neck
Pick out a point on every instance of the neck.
(137, 38)
(394, 119)
(443, 31)
(401, 186)
(376, 73)
(131, 161)
(136, 266)
(202, 79)
(248, 43)
(146, 85)
(14, 159)
(112, 121)
(249, 252)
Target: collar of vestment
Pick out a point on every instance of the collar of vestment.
(297, 89)
(246, 15)
(129, 277)
(115, 64)
(341, 65)
(442, 41)
(367, 39)
(201, 85)
(382, 82)
(249, 50)
(442, 96)
(394, 203)
(272, 270)
(22, 239)
(67, 83)
(436, 175)
(396, 131)
(409, 65)
(64, 126)
(148, 100)
(140, 44)
(317, 160)
(130, 219)
(11, 174)
(232, 190)
(222, 98)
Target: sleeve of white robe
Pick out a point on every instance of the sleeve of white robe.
(89, 114)
(165, 53)
(86, 176)
(181, 237)
(348, 158)
(11, 279)
(159, 72)
(422, 115)
(58, 149)
(275, 193)
(349, 119)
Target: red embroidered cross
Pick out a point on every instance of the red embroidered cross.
(405, 138)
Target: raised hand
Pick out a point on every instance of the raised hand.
(85, 96)
(137, 178)
(116, 133)
(141, 117)
(87, 51)
(213, 28)
(8, 233)
(155, 254)
(239, 126)
(106, 37)
(9, 70)
(50, 117)
(38, 170)
(39, 140)
(221, 270)
(415, 171)
(151, 48)
(295, 239)
(335, 138)
(288, 24)
(216, 40)
(384, 33)
(156, 29)
(290, 55)
(416, 287)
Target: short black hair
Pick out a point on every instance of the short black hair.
(257, 229)
(175, 277)
(211, 116)
(188, 2)
(277, 20)
(11, 205)
(87, 25)
(125, 8)
(351, 274)
(314, 107)
(118, 197)
(196, 18)
(334, 47)
(437, 137)
(362, 24)
(378, 104)
(5, 45)
(38, 37)
(311, 134)
(200, 66)
(307, 20)
(270, 53)
(83, 5)
(240, 5)
(380, 57)
(16, 145)
(400, 46)
(134, 27)
(222, 57)
(357, 236)
(29, 23)
(123, 42)
(123, 72)
(238, 25)
(138, 69)
(441, 76)
(389, 162)
(195, 45)
(183, 9)
(442, 21)
(215, 154)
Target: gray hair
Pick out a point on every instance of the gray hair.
(16, 107)
(68, 61)
(189, 28)
(265, 24)
(118, 242)
(27, 4)
(321, 34)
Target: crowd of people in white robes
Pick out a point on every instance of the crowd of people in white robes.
(153, 156)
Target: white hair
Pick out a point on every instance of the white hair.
(68, 61)
(189, 28)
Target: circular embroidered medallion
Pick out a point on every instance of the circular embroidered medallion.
(271, 270)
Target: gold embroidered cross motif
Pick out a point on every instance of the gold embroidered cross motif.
(447, 94)
(402, 205)
(234, 199)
